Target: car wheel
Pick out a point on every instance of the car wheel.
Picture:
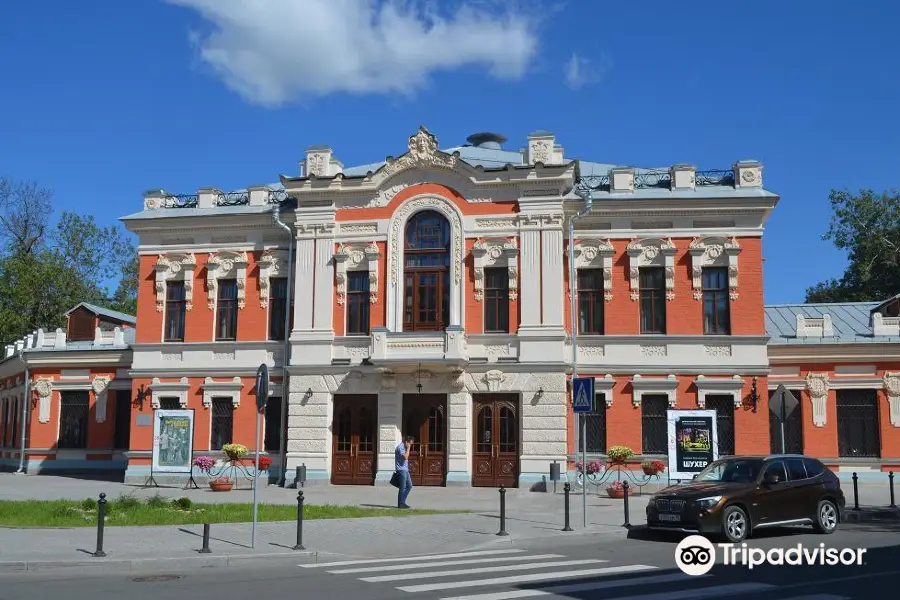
(735, 524)
(826, 520)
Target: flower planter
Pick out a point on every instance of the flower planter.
(650, 471)
(219, 486)
(620, 493)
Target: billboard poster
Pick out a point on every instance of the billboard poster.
(693, 442)
(173, 441)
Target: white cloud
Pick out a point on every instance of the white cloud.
(581, 71)
(275, 51)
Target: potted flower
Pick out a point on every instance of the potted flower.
(222, 483)
(234, 452)
(594, 467)
(617, 490)
(264, 463)
(205, 463)
(619, 454)
(653, 467)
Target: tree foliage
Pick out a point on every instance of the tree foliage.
(867, 226)
(47, 268)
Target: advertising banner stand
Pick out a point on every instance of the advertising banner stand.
(173, 443)
(693, 442)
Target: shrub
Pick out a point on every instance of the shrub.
(182, 503)
(125, 502)
(89, 504)
(157, 501)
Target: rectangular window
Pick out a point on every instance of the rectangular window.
(358, 303)
(73, 420)
(227, 311)
(222, 422)
(716, 313)
(278, 293)
(596, 426)
(654, 424)
(170, 404)
(175, 312)
(272, 441)
(496, 300)
(590, 301)
(122, 434)
(653, 300)
(13, 431)
(858, 428)
(723, 404)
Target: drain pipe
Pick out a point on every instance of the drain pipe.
(26, 404)
(285, 389)
(573, 284)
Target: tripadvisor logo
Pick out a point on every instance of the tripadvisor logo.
(696, 555)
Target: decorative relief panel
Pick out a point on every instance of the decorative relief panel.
(503, 252)
(44, 388)
(714, 252)
(175, 267)
(423, 153)
(272, 263)
(226, 264)
(817, 388)
(356, 257)
(892, 390)
(359, 228)
(100, 385)
(596, 254)
(651, 253)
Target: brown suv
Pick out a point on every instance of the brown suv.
(734, 496)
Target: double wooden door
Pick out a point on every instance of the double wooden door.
(354, 439)
(496, 457)
(424, 418)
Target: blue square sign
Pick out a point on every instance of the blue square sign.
(583, 394)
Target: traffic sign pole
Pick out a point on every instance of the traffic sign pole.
(262, 396)
(583, 398)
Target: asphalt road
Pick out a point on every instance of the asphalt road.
(570, 567)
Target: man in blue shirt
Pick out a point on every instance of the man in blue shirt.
(401, 454)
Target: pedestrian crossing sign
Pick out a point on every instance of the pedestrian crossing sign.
(583, 394)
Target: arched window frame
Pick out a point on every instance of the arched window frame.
(397, 235)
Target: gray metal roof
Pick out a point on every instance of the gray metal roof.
(851, 321)
(105, 312)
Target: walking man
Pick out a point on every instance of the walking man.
(401, 454)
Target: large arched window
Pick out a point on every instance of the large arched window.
(426, 272)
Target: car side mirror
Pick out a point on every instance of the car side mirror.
(694, 477)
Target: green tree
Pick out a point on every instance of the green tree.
(46, 269)
(867, 226)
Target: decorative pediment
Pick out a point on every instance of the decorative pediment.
(496, 252)
(175, 267)
(356, 257)
(226, 264)
(423, 153)
(733, 386)
(714, 252)
(651, 252)
(654, 385)
(596, 253)
(161, 389)
(272, 263)
(219, 389)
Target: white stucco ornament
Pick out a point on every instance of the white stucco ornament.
(44, 388)
(100, 386)
(423, 152)
(817, 387)
(892, 389)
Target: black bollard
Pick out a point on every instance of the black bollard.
(299, 545)
(205, 549)
(855, 491)
(101, 518)
(566, 489)
(891, 480)
(625, 497)
(502, 511)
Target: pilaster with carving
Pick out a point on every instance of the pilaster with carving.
(492, 252)
(596, 254)
(226, 264)
(892, 391)
(43, 386)
(817, 388)
(100, 386)
(714, 252)
(175, 267)
(356, 257)
(651, 253)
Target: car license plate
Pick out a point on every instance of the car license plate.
(672, 518)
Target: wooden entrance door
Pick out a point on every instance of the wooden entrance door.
(353, 439)
(496, 456)
(424, 419)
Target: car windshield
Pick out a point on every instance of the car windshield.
(732, 470)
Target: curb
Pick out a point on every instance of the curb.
(139, 564)
(871, 515)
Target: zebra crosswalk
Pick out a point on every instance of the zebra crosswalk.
(509, 574)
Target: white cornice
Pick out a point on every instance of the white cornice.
(700, 340)
(66, 358)
(844, 353)
(201, 346)
(849, 383)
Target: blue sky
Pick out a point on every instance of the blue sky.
(105, 99)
